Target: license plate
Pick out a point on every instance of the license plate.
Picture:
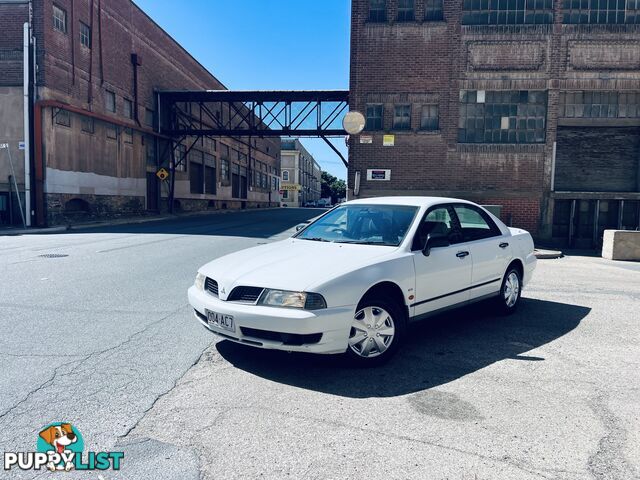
(219, 320)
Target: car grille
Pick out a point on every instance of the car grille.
(292, 339)
(245, 294)
(211, 286)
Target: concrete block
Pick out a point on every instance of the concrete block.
(621, 245)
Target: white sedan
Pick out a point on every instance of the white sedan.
(351, 280)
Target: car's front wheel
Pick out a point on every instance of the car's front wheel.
(510, 292)
(377, 330)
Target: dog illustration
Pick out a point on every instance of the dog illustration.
(59, 438)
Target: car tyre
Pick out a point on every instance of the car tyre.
(377, 331)
(510, 292)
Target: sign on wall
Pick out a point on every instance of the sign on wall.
(388, 140)
(368, 139)
(162, 174)
(379, 175)
(290, 187)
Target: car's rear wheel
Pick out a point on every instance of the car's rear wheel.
(377, 330)
(510, 292)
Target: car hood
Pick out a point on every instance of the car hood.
(290, 264)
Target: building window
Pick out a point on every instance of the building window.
(210, 180)
(508, 12)
(85, 35)
(599, 104)
(377, 10)
(180, 158)
(224, 170)
(374, 117)
(502, 116)
(112, 131)
(88, 125)
(406, 11)
(209, 144)
(149, 117)
(224, 151)
(127, 134)
(196, 179)
(285, 194)
(59, 19)
(196, 172)
(402, 117)
(128, 108)
(429, 118)
(602, 12)
(433, 11)
(150, 145)
(62, 117)
(285, 175)
(110, 101)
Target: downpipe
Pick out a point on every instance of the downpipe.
(27, 122)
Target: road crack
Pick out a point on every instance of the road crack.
(609, 461)
(83, 359)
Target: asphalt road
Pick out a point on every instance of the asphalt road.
(103, 338)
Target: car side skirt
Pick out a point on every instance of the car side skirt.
(433, 313)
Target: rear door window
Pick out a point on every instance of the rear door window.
(474, 223)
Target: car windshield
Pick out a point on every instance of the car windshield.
(362, 224)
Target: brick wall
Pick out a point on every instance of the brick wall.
(431, 62)
(80, 75)
(13, 17)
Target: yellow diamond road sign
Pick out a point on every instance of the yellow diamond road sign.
(162, 174)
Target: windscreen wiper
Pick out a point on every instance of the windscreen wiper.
(360, 242)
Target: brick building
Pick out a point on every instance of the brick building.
(94, 144)
(533, 106)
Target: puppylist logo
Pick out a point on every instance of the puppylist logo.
(60, 447)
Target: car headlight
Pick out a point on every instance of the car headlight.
(200, 279)
(287, 299)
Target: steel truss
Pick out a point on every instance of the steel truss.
(253, 113)
(190, 115)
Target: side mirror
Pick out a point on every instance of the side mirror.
(435, 240)
(300, 226)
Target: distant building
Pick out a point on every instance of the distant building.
(94, 147)
(301, 175)
(533, 107)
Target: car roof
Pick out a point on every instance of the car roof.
(411, 201)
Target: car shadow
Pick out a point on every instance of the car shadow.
(438, 351)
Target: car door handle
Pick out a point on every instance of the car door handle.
(503, 245)
(462, 254)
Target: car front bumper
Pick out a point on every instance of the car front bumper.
(278, 328)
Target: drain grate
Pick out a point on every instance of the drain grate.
(53, 255)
